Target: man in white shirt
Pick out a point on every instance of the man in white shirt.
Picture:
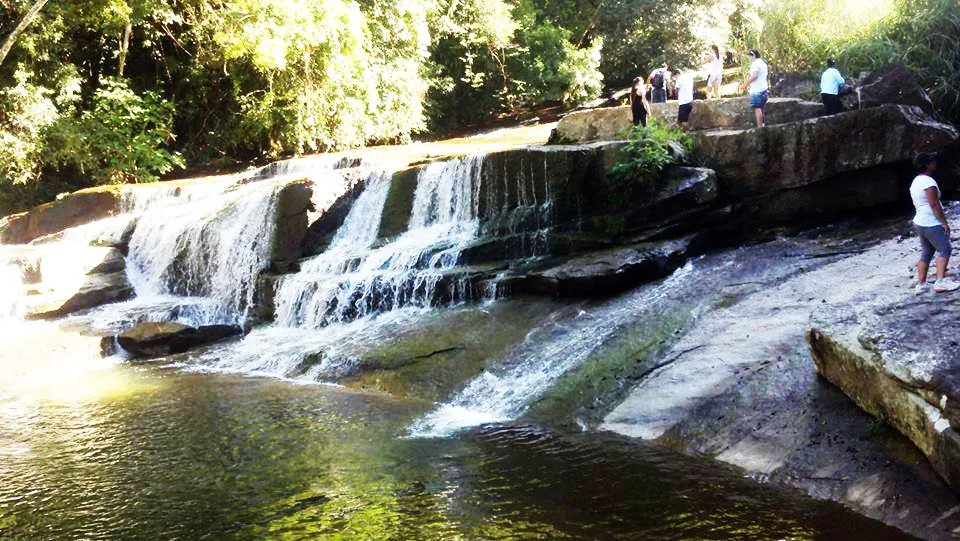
(830, 83)
(758, 87)
(684, 97)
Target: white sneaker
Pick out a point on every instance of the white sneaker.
(920, 289)
(945, 284)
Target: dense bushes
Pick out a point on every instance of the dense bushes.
(127, 90)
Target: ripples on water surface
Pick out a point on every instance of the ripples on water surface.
(111, 451)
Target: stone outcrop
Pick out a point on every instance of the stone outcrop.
(613, 123)
(751, 162)
(900, 363)
(891, 84)
(70, 210)
(59, 280)
(147, 340)
(42, 302)
(293, 204)
(602, 272)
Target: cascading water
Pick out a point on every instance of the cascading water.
(344, 287)
(533, 367)
(10, 291)
(212, 247)
(349, 282)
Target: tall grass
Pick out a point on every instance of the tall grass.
(924, 35)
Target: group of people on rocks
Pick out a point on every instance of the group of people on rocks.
(757, 84)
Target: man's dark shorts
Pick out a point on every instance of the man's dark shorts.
(683, 112)
(658, 95)
(933, 239)
(758, 100)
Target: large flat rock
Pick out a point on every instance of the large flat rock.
(759, 161)
(613, 123)
(740, 385)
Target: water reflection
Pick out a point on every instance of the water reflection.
(162, 454)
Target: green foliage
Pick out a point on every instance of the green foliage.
(120, 138)
(924, 35)
(646, 153)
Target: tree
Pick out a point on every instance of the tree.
(24, 23)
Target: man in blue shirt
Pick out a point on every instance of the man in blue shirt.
(830, 83)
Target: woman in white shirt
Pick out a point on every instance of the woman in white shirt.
(714, 70)
(931, 225)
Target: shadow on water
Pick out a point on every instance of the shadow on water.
(160, 454)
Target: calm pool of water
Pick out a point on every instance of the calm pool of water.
(119, 451)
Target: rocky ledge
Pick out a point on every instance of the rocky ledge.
(899, 361)
(613, 123)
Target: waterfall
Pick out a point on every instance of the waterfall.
(213, 246)
(350, 281)
(11, 289)
(533, 367)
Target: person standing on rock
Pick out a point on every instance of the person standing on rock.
(659, 78)
(931, 225)
(830, 83)
(758, 87)
(714, 70)
(638, 102)
(684, 98)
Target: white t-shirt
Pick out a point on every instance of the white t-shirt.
(758, 67)
(685, 87)
(830, 81)
(716, 66)
(925, 216)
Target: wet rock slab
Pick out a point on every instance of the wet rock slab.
(740, 385)
(147, 340)
(901, 363)
(604, 272)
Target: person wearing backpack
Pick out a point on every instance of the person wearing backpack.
(659, 79)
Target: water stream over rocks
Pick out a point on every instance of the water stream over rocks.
(417, 294)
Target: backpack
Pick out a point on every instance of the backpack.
(657, 79)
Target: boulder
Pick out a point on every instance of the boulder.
(603, 272)
(758, 161)
(293, 204)
(613, 123)
(158, 339)
(891, 84)
(74, 295)
(900, 363)
(70, 210)
(321, 232)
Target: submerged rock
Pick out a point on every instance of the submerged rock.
(159, 339)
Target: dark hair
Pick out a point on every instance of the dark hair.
(716, 50)
(831, 63)
(923, 161)
(755, 53)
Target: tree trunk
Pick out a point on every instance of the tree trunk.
(124, 47)
(24, 23)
